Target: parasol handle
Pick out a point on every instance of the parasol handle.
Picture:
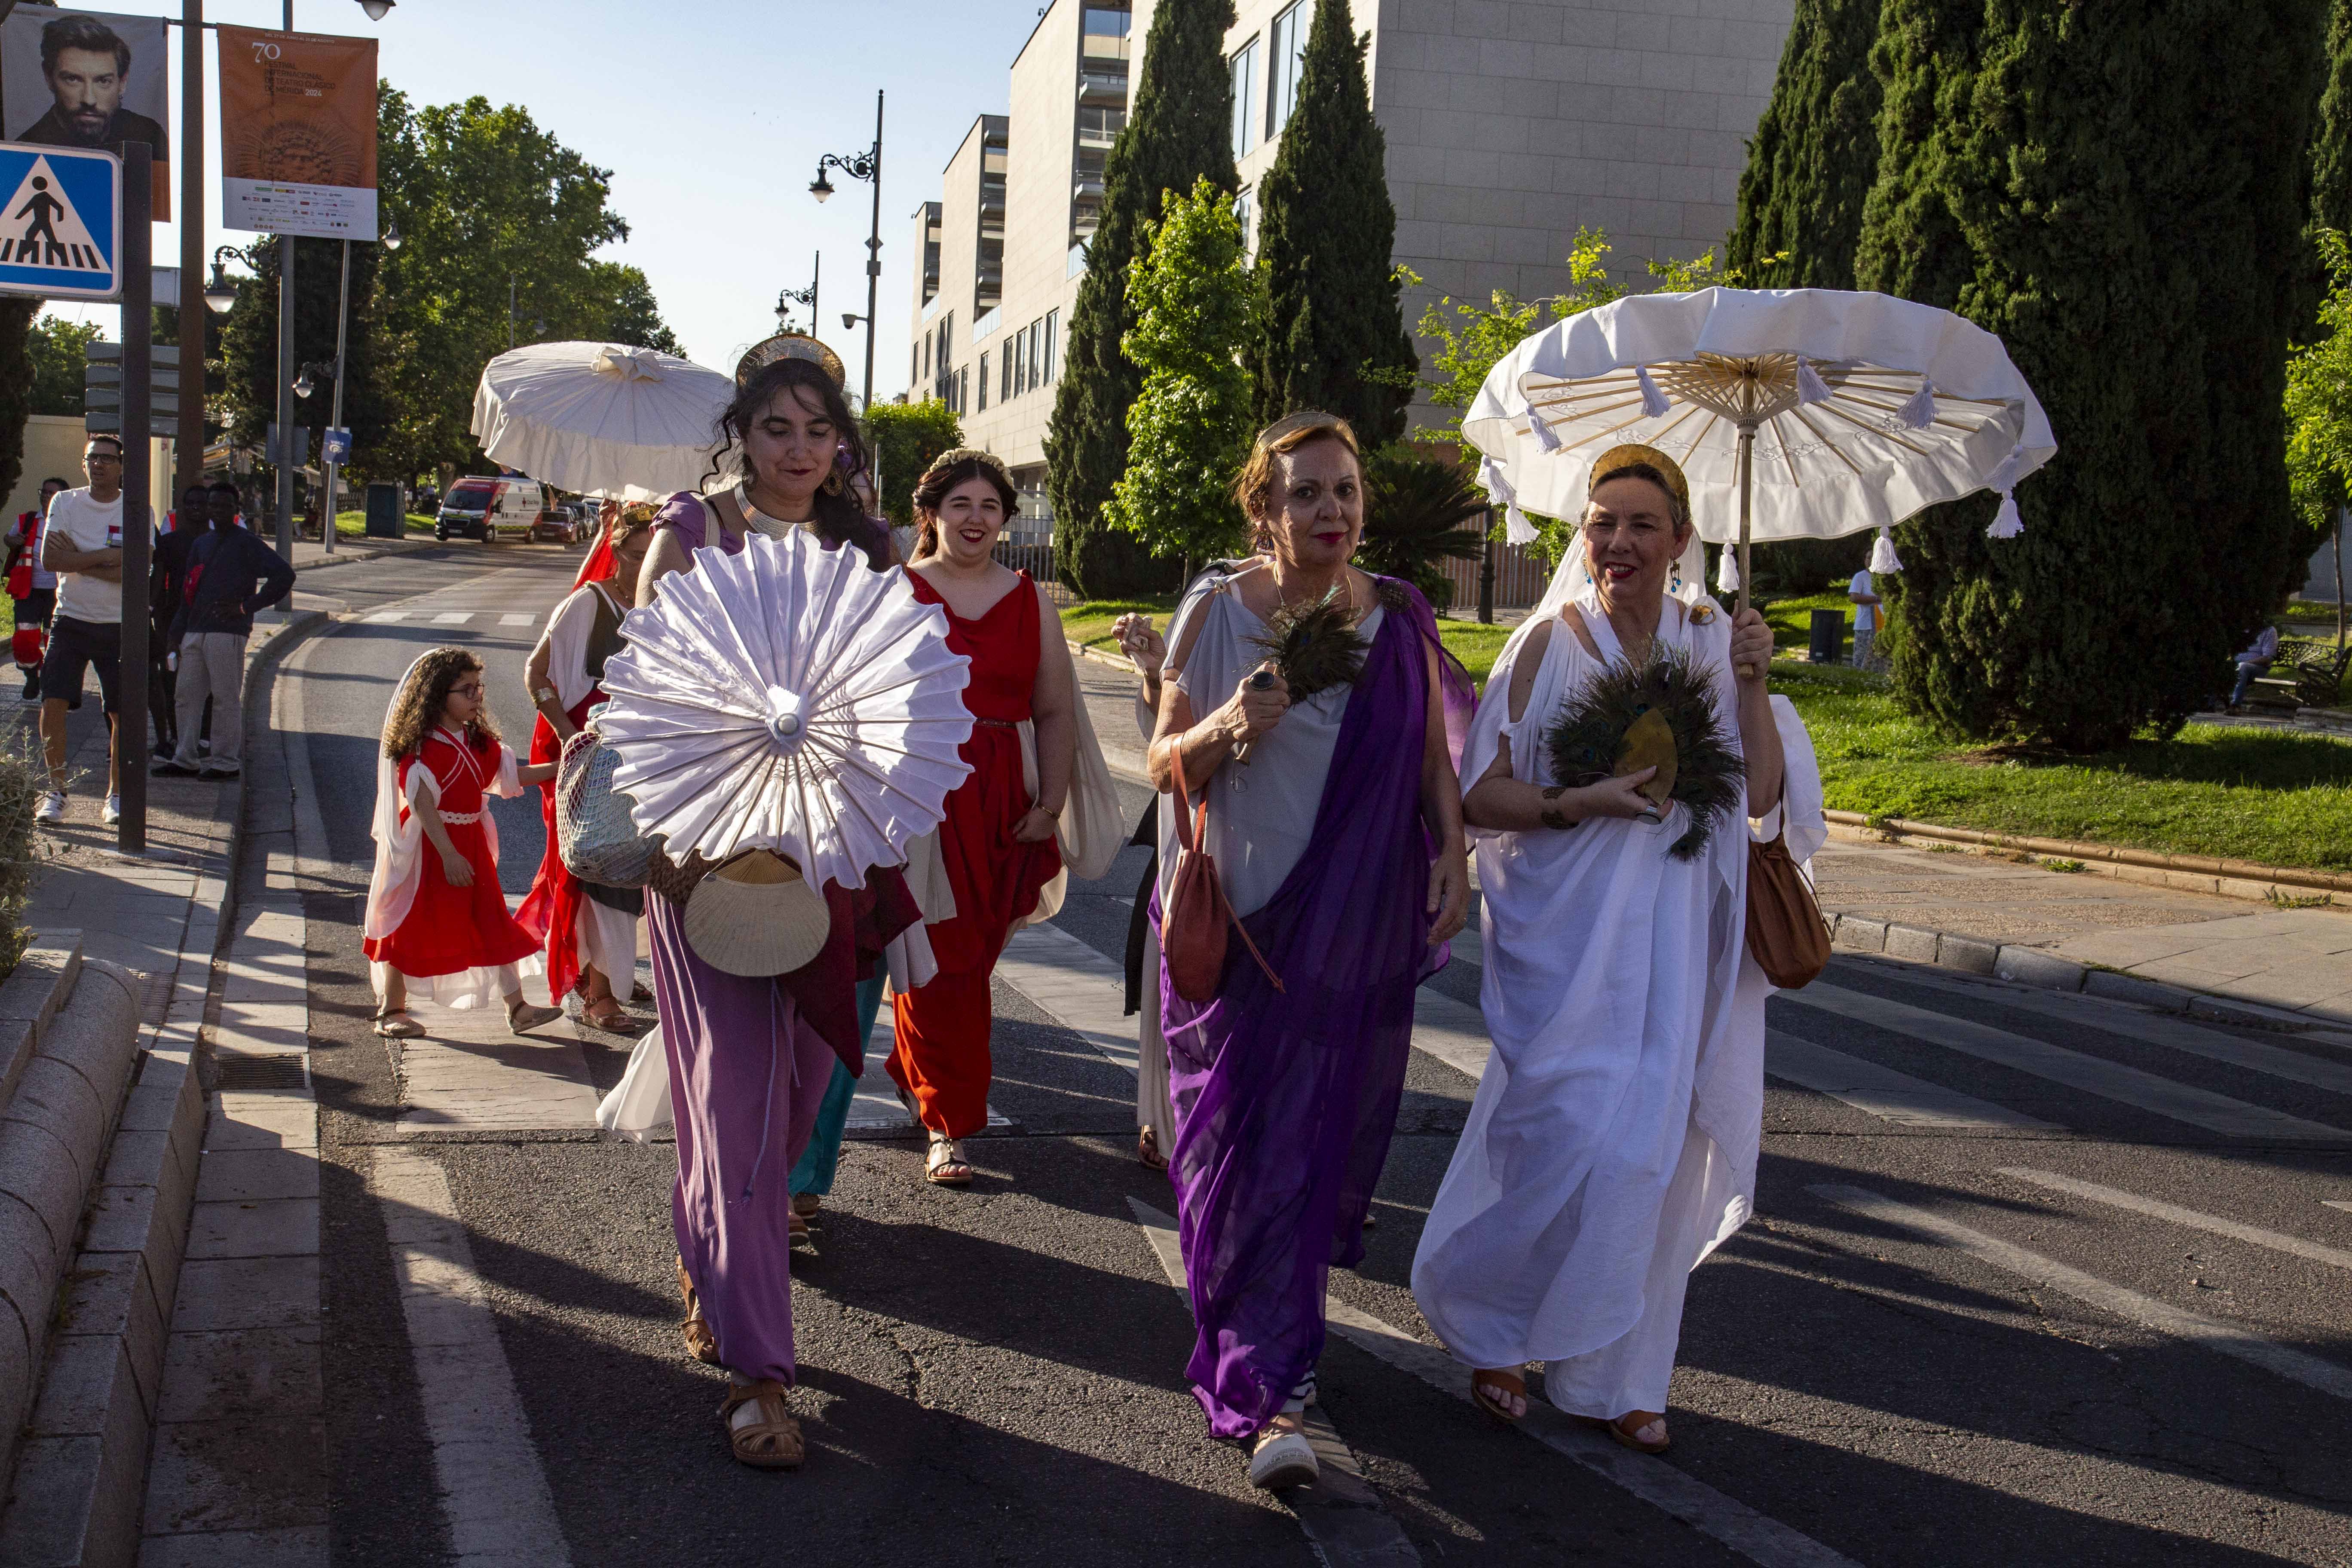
(1746, 485)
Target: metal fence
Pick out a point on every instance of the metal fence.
(1033, 554)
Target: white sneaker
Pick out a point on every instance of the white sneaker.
(52, 806)
(112, 812)
(1283, 1460)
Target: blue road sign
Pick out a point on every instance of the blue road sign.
(61, 224)
(336, 447)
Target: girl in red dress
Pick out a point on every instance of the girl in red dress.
(439, 920)
(997, 848)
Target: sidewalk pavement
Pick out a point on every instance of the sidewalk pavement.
(2167, 947)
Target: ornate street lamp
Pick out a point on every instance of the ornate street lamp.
(866, 167)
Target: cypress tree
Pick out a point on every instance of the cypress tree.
(1814, 155)
(1335, 335)
(2331, 136)
(1180, 130)
(2117, 193)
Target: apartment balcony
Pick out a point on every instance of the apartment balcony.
(1101, 87)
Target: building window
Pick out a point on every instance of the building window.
(1245, 64)
(1098, 125)
(1053, 366)
(1019, 350)
(962, 388)
(1246, 213)
(1005, 387)
(983, 383)
(1288, 38)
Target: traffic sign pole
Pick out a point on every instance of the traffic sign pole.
(138, 480)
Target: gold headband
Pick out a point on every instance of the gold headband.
(1305, 420)
(1618, 458)
(789, 345)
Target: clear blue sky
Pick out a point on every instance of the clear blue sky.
(712, 115)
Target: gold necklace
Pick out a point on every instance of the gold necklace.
(1345, 587)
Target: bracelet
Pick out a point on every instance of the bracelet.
(1552, 817)
(1056, 812)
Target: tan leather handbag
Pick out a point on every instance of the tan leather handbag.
(1786, 934)
(1193, 925)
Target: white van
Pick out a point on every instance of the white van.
(488, 509)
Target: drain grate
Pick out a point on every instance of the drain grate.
(263, 1073)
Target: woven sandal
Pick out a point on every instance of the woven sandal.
(1486, 1385)
(773, 1442)
(700, 1343)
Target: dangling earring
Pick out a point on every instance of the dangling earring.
(1678, 577)
(833, 483)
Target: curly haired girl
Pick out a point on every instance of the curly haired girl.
(441, 921)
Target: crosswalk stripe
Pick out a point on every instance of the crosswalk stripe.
(2175, 1033)
(517, 619)
(2076, 1070)
(2346, 1204)
(1762, 1540)
(2229, 1339)
(1884, 1093)
(453, 617)
(387, 617)
(2157, 1208)
(1343, 1517)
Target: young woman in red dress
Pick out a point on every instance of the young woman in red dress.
(997, 848)
(439, 920)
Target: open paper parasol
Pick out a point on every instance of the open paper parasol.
(787, 698)
(603, 419)
(1802, 413)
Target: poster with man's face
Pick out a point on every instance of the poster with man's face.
(86, 79)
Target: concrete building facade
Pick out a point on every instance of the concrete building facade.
(1510, 125)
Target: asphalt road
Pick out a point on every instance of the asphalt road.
(1937, 1359)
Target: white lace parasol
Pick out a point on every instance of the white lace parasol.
(787, 698)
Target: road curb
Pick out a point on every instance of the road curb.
(80, 1474)
(374, 553)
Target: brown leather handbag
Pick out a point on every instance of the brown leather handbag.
(1786, 934)
(1193, 925)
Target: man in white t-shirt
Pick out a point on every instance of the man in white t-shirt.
(82, 543)
(1863, 591)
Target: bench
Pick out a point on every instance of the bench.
(2305, 674)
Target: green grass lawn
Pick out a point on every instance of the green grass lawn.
(2275, 798)
(353, 524)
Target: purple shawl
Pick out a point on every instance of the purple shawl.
(1286, 1101)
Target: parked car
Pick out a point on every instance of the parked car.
(488, 509)
(556, 525)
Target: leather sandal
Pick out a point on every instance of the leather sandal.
(399, 1026)
(1625, 1428)
(944, 1165)
(606, 1013)
(807, 1206)
(1486, 1385)
(796, 1229)
(773, 1442)
(1147, 1149)
(700, 1343)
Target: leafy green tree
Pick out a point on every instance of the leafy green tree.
(2117, 193)
(59, 350)
(1190, 426)
(1335, 336)
(1414, 508)
(1179, 131)
(906, 436)
(1814, 157)
(248, 350)
(2319, 406)
(481, 195)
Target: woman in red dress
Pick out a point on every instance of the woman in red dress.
(439, 920)
(590, 934)
(996, 851)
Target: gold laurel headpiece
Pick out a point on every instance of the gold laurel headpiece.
(789, 345)
(1618, 458)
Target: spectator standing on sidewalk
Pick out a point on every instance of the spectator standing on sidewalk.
(81, 542)
(1864, 591)
(165, 580)
(35, 589)
(227, 577)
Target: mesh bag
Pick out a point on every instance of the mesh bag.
(594, 833)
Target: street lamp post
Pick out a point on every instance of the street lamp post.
(868, 167)
(787, 298)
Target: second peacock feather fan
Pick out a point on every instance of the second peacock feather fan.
(1663, 714)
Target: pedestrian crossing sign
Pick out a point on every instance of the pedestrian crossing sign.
(61, 226)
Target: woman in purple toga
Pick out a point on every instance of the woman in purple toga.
(1341, 847)
(750, 1057)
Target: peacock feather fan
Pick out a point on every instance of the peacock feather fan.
(1316, 646)
(1661, 714)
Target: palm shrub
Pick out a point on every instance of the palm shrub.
(1414, 508)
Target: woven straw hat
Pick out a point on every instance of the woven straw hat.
(757, 916)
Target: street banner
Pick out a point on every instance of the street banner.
(86, 79)
(298, 133)
(62, 227)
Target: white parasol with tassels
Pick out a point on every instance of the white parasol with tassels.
(1795, 413)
